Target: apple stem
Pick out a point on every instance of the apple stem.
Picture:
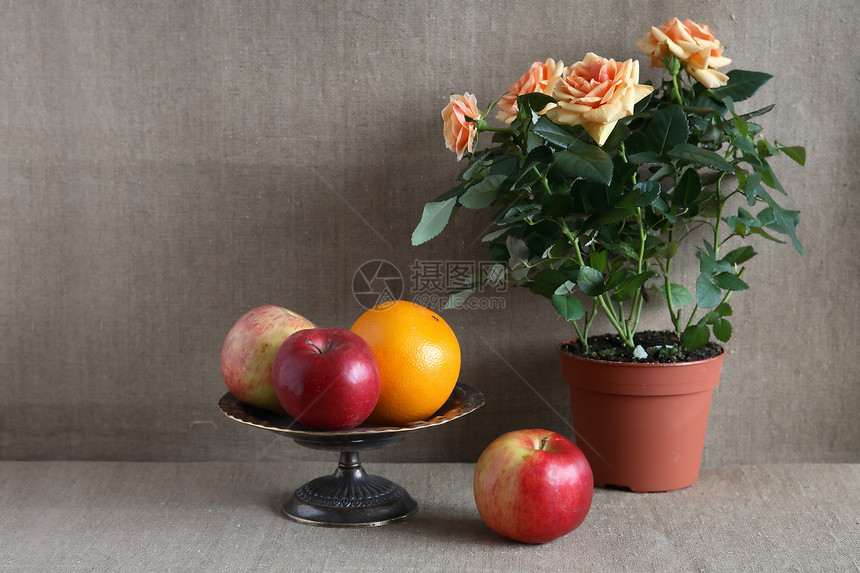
(309, 343)
(543, 442)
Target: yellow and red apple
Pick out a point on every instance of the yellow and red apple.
(249, 352)
(533, 486)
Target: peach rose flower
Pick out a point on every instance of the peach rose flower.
(460, 133)
(596, 93)
(693, 44)
(541, 77)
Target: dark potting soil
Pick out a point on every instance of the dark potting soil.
(609, 347)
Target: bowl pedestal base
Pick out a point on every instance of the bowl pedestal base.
(350, 496)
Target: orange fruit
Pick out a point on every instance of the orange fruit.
(418, 356)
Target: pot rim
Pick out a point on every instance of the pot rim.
(615, 363)
(640, 378)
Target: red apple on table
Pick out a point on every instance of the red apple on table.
(249, 351)
(533, 486)
(326, 378)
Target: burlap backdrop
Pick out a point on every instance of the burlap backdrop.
(165, 167)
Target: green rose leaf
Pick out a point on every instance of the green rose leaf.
(519, 252)
(668, 129)
(699, 156)
(680, 295)
(768, 176)
(687, 189)
(586, 161)
(533, 142)
(590, 281)
(516, 214)
(568, 306)
(623, 208)
(724, 309)
(741, 85)
(723, 330)
(758, 112)
(628, 287)
(434, 218)
(710, 266)
(598, 260)
(477, 165)
(644, 157)
(494, 234)
(730, 281)
(796, 152)
(740, 255)
(708, 295)
(710, 318)
(752, 188)
(745, 145)
(505, 165)
(557, 205)
(745, 224)
(762, 233)
(663, 172)
(499, 252)
(483, 193)
(553, 133)
(530, 105)
(740, 124)
(695, 336)
(547, 282)
(649, 192)
(780, 220)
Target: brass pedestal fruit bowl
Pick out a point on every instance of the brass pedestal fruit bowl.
(350, 496)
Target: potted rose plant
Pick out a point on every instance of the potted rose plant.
(597, 183)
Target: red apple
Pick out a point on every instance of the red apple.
(326, 378)
(249, 351)
(533, 486)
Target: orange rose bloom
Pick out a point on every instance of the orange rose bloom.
(596, 93)
(460, 133)
(693, 44)
(541, 77)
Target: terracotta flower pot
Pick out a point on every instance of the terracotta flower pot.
(641, 426)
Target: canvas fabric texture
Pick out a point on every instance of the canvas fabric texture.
(102, 516)
(168, 166)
